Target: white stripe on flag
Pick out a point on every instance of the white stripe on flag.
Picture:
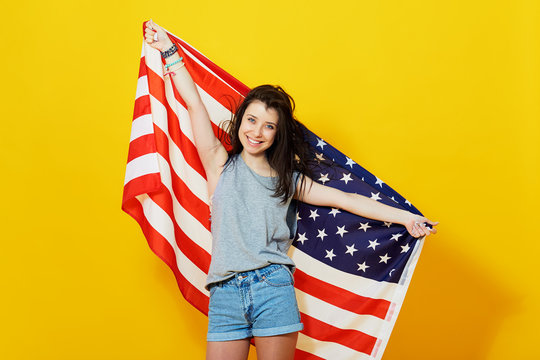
(162, 223)
(328, 350)
(142, 165)
(180, 166)
(141, 126)
(192, 57)
(142, 87)
(356, 284)
(153, 60)
(189, 225)
(338, 317)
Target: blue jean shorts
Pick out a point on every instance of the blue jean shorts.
(260, 302)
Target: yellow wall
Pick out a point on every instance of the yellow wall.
(438, 99)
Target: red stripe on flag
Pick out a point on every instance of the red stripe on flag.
(142, 106)
(165, 252)
(191, 250)
(142, 67)
(353, 339)
(182, 192)
(218, 132)
(340, 297)
(304, 355)
(230, 80)
(142, 145)
(177, 136)
(140, 185)
(212, 85)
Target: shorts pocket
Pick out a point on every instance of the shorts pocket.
(279, 277)
(213, 289)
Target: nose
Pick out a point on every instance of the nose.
(258, 131)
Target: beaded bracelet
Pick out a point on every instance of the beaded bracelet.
(167, 66)
(172, 71)
(165, 54)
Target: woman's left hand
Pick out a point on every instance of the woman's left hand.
(416, 226)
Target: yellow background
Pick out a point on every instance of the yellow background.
(438, 99)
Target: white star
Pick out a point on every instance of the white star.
(394, 200)
(349, 162)
(387, 224)
(319, 157)
(320, 143)
(322, 234)
(384, 258)
(324, 178)
(298, 216)
(379, 181)
(313, 214)
(375, 196)
(396, 236)
(407, 202)
(373, 244)
(350, 249)
(334, 212)
(346, 178)
(364, 226)
(405, 248)
(363, 178)
(341, 230)
(302, 238)
(330, 254)
(362, 266)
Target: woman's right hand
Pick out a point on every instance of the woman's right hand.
(163, 42)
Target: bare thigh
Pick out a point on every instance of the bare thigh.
(279, 347)
(227, 350)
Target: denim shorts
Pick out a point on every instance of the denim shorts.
(259, 302)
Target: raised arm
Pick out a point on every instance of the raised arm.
(212, 153)
(320, 195)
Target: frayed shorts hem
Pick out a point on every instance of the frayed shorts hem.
(238, 335)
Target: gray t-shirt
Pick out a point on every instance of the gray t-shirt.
(250, 227)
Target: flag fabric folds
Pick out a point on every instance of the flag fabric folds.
(352, 272)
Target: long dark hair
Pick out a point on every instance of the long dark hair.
(289, 151)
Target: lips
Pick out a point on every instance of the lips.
(253, 142)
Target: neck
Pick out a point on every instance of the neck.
(258, 163)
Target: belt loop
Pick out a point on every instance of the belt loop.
(259, 277)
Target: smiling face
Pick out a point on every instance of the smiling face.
(258, 128)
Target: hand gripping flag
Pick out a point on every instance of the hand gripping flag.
(352, 272)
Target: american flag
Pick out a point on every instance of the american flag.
(352, 272)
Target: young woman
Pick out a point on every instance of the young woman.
(250, 276)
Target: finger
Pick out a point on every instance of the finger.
(419, 227)
(427, 230)
(431, 230)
